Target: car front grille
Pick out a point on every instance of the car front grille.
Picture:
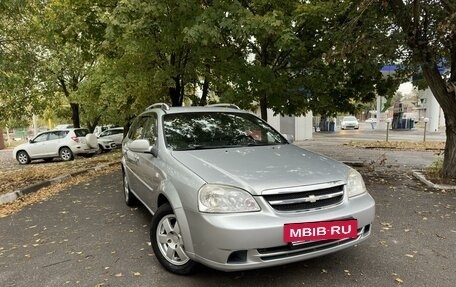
(306, 200)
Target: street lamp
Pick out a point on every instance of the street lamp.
(426, 120)
(388, 121)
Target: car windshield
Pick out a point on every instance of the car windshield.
(205, 130)
(349, 119)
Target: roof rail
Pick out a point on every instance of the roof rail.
(162, 106)
(222, 105)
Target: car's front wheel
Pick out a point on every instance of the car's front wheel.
(100, 149)
(66, 154)
(167, 242)
(23, 157)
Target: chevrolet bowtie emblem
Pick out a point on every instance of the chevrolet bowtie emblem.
(312, 198)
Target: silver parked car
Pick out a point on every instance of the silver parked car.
(64, 144)
(228, 191)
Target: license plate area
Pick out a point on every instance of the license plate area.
(301, 233)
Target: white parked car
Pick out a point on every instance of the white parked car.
(105, 145)
(349, 122)
(371, 120)
(57, 143)
(115, 134)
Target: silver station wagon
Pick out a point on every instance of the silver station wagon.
(228, 191)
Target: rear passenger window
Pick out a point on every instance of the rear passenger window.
(81, 132)
(54, 136)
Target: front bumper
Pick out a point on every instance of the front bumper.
(108, 146)
(232, 242)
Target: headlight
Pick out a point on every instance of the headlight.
(355, 183)
(225, 199)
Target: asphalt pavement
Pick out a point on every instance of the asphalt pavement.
(87, 236)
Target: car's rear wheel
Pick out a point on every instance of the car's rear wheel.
(66, 154)
(23, 157)
(88, 155)
(167, 242)
(130, 198)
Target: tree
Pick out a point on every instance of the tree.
(19, 93)
(294, 59)
(148, 45)
(429, 31)
(68, 37)
(423, 37)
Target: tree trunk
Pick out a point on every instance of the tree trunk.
(176, 92)
(447, 101)
(203, 100)
(264, 108)
(449, 158)
(75, 115)
(2, 143)
(74, 106)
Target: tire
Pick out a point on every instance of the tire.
(66, 154)
(22, 157)
(130, 198)
(91, 140)
(88, 155)
(100, 149)
(167, 243)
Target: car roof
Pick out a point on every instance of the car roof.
(196, 109)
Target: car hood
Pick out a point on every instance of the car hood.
(261, 168)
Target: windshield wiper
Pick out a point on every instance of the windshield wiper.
(197, 146)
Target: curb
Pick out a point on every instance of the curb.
(420, 176)
(12, 196)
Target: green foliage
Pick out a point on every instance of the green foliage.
(435, 169)
(114, 58)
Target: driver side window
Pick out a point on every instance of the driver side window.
(144, 128)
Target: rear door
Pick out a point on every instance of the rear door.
(54, 143)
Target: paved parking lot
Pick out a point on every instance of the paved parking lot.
(86, 236)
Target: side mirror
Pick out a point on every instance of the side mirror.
(143, 146)
(289, 138)
(31, 141)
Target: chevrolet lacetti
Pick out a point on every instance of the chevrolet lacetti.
(228, 191)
